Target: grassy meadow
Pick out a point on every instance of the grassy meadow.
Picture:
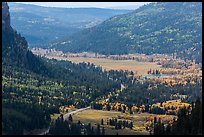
(108, 64)
(94, 117)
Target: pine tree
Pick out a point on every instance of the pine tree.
(101, 121)
(92, 131)
(98, 130)
(70, 118)
(131, 125)
(61, 117)
(79, 122)
(103, 131)
(108, 107)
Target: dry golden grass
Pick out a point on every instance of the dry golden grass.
(139, 120)
(55, 115)
(140, 67)
(94, 117)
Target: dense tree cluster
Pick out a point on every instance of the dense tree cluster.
(189, 122)
(140, 97)
(79, 88)
(119, 124)
(64, 127)
(18, 117)
(154, 72)
(149, 93)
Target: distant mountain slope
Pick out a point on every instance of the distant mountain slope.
(42, 24)
(132, 7)
(154, 28)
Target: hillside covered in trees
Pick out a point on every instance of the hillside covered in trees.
(189, 122)
(54, 23)
(35, 87)
(162, 27)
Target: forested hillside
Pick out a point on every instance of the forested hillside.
(35, 87)
(53, 23)
(189, 122)
(169, 27)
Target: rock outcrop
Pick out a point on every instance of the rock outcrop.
(5, 17)
(14, 46)
(15, 50)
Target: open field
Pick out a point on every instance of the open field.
(55, 116)
(94, 117)
(140, 67)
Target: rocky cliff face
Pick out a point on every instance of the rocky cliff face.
(14, 47)
(5, 17)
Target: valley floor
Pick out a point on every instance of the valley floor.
(94, 117)
(139, 68)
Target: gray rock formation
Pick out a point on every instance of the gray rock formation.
(5, 16)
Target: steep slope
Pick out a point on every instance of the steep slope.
(21, 63)
(53, 23)
(14, 47)
(35, 87)
(169, 27)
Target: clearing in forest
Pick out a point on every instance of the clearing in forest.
(94, 117)
(109, 64)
